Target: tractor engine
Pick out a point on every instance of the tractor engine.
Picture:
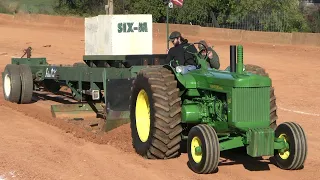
(207, 108)
(240, 107)
(226, 99)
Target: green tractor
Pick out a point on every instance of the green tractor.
(214, 111)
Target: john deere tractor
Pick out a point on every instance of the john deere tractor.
(214, 110)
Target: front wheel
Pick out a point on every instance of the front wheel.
(203, 149)
(294, 156)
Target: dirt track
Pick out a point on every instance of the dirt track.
(35, 146)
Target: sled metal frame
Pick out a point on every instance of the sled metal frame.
(94, 77)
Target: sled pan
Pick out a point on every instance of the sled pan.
(75, 111)
(80, 111)
(115, 119)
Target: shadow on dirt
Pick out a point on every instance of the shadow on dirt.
(60, 97)
(238, 156)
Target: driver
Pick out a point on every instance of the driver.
(183, 56)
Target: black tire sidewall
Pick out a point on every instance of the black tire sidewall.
(197, 167)
(141, 83)
(26, 84)
(285, 129)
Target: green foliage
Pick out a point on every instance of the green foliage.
(80, 7)
(196, 12)
(315, 22)
(36, 6)
(261, 15)
(4, 8)
(266, 15)
(27, 6)
(154, 7)
(313, 17)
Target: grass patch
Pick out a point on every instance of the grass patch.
(27, 6)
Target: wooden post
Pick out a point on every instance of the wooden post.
(106, 7)
(110, 3)
(109, 7)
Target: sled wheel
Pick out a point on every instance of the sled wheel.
(12, 83)
(26, 84)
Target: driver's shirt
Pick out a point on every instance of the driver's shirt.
(183, 56)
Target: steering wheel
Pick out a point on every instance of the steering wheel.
(185, 49)
(198, 52)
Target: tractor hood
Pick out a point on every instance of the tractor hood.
(209, 78)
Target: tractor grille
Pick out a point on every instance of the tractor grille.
(250, 104)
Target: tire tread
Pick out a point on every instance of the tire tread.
(212, 148)
(299, 140)
(26, 84)
(166, 137)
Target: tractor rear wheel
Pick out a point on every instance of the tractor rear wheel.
(294, 156)
(254, 69)
(155, 114)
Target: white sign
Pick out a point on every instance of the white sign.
(118, 34)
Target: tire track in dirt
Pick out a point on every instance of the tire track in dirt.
(291, 73)
(121, 140)
(119, 137)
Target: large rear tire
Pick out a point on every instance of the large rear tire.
(254, 69)
(155, 114)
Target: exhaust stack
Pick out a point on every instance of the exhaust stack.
(233, 55)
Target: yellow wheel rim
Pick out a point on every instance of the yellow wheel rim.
(286, 153)
(196, 143)
(143, 116)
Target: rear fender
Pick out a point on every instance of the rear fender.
(186, 81)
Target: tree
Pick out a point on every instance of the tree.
(267, 15)
(80, 7)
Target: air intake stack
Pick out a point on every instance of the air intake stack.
(236, 59)
(240, 59)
